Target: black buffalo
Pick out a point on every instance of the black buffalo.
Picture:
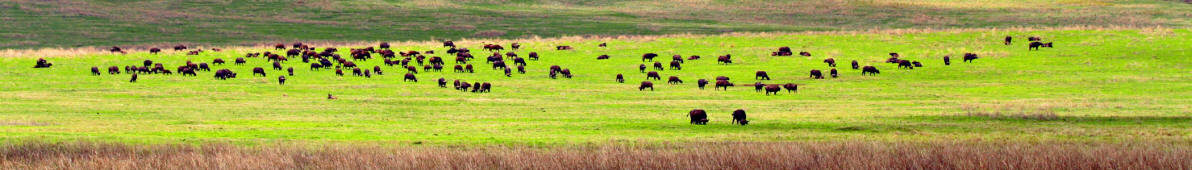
(698, 117)
(646, 84)
(816, 74)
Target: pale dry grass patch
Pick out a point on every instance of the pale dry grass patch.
(800, 155)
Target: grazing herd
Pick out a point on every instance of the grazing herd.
(327, 60)
(700, 117)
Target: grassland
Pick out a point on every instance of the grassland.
(780, 155)
(141, 23)
(1094, 86)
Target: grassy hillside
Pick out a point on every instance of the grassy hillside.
(77, 23)
(1096, 85)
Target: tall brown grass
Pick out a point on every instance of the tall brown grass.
(802, 155)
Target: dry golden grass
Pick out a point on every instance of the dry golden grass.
(810, 155)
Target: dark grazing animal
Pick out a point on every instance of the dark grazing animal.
(485, 87)
(641, 68)
(816, 74)
(384, 45)
(723, 83)
(224, 74)
(646, 84)
(499, 64)
(113, 70)
(739, 117)
(443, 82)
(240, 61)
(566, 73)
(1035, 46)
(339, 72)
(185, 71)
(831, 62)
(674, 80)
(649, 56)
(856, 65)
(833, 73)
(1008, 40)
(281, 80)
(698, 117)
(947, 60)
(1048, 45)
(115, 49)
(969, 57)
(870, 70)
(773, 88)
(658, 66)
(533, 56)
(412, 69)
(791, 87)
(204, 67)
(95, 71)
(357, 72)
(677, 58)
(620, 79)
(602, 57)
(448, 44)
(1033, 39)
(761, 75)
(905, 64)
(520, 69)
(805, 54)
(258, 70)
(276, 65)
(179, 47)
(134, 78)
(154, 50)
(676, 65)
(694, 57)
(758, 86)
(917, 63)
(701, 83)
(726, 59)
(217, 61)
(410, 77)
(563, 48)
(653, 75)
(315, 66)
(602, 45)
(463, 86)
(375, 69)
(782, 51)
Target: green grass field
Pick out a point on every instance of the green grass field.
(103, 23)
(1103, 85)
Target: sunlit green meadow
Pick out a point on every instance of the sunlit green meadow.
(1101, 85)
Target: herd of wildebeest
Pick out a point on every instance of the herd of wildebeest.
(328, 60)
